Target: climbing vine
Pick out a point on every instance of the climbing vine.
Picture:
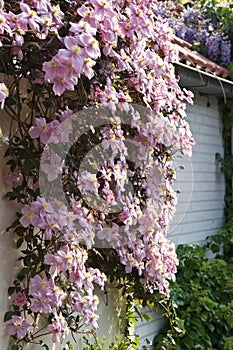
(226, 161)
(95, 115)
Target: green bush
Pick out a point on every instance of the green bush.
(118, 344)
(203, 296)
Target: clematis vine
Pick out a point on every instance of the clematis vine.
(90, 158)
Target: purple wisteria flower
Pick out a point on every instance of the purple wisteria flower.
(213, 46)
(225, 51)
(190, 35)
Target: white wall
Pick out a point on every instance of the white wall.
(200, 209)
(7, 251)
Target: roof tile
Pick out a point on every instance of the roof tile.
(193, 58)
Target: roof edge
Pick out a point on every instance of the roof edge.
(198, 80)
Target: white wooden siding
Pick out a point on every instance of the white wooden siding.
(147, 329)
(200, 208)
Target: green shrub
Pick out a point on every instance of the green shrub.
(203, 296)
(118, 344)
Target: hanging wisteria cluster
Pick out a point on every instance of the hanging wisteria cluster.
(90, 158)
(201, 23)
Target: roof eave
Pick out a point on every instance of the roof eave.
(195, 79)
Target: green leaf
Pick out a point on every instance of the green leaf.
(11, 195)
(15, 347)
(20, 230)
(24, 271)
(204, 316)
(230, 321)
(11, 290)
(211, 327)
(188, 342)
(215, 248)
(8, 315)
(19, 242)
(188, 274)
(146, 317)
(28, 166)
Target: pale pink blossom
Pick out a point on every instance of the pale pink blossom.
(103, 8)
(29, 217)
(29, 17)
(91, 318)
(4, 27)
(57, 328)
(52, 169)
(60, 261)
(41, 303)
(38, 284)
(15, 21)
(18, 327)
(62, 83)
(54, 69)
(41, 130)
(12, 178)
(20, 299)
(88, 182)
(87, 14)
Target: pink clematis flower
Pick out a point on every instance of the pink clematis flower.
(103, 8)
(29, 216)
(88, 182)
(52, 169)
(57, 328)
(15, 21)
(90, 44)
(87, 67)
(12, 178)
(83, 25)
(91, 319)
(81, 303)
(74, 53)
(50, 226)
(55, 68)
(20, 299)
(41, 130)
(29, 17)
(18, 327)
(41, 303)
(32, 3)
(64, 83)
(4, 27)
(60, 261)
(87, 15)
(38, 284)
